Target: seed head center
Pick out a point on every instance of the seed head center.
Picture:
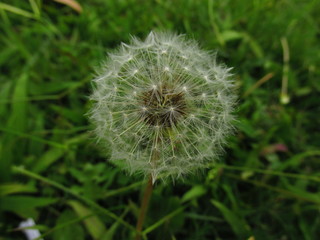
(165, 106)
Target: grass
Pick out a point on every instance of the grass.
(267, 183)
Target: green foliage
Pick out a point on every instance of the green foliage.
(266, 187)
(66, 228)
(93, 224)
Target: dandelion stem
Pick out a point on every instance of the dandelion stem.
(144, 207)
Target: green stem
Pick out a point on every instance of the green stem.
(144, 207)
(25, 172)
(271, 172)
(163, 220)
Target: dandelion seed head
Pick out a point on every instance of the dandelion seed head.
(163, 105)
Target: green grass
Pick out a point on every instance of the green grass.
(267, 183)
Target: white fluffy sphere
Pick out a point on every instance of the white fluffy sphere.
(163, 106)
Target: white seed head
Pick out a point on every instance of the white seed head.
(163, 105)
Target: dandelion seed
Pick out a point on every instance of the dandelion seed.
(135, 71)
(159, 124)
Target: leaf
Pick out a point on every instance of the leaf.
(4, 95)
(230, 35)
(296, 160)
(48, 158)
(32, 137)
(238, 224)
(10, 188)
(303, 193)
(112, 230)
(166, 218)
(166, 213)
(66, 228)
(21, 170)
(74, 115)
(35, 8)
(53, 87)
(305, 229)
(16, 10)
(93, 224)
(24, 206)
(255, 47)
(71, 3)
(193, 193)
(54, 154)
(246, 126)
(17, 120)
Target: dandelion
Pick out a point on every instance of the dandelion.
(163, 106)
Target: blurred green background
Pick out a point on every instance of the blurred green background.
(267, 183)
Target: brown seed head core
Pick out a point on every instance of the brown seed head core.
(163, 106)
